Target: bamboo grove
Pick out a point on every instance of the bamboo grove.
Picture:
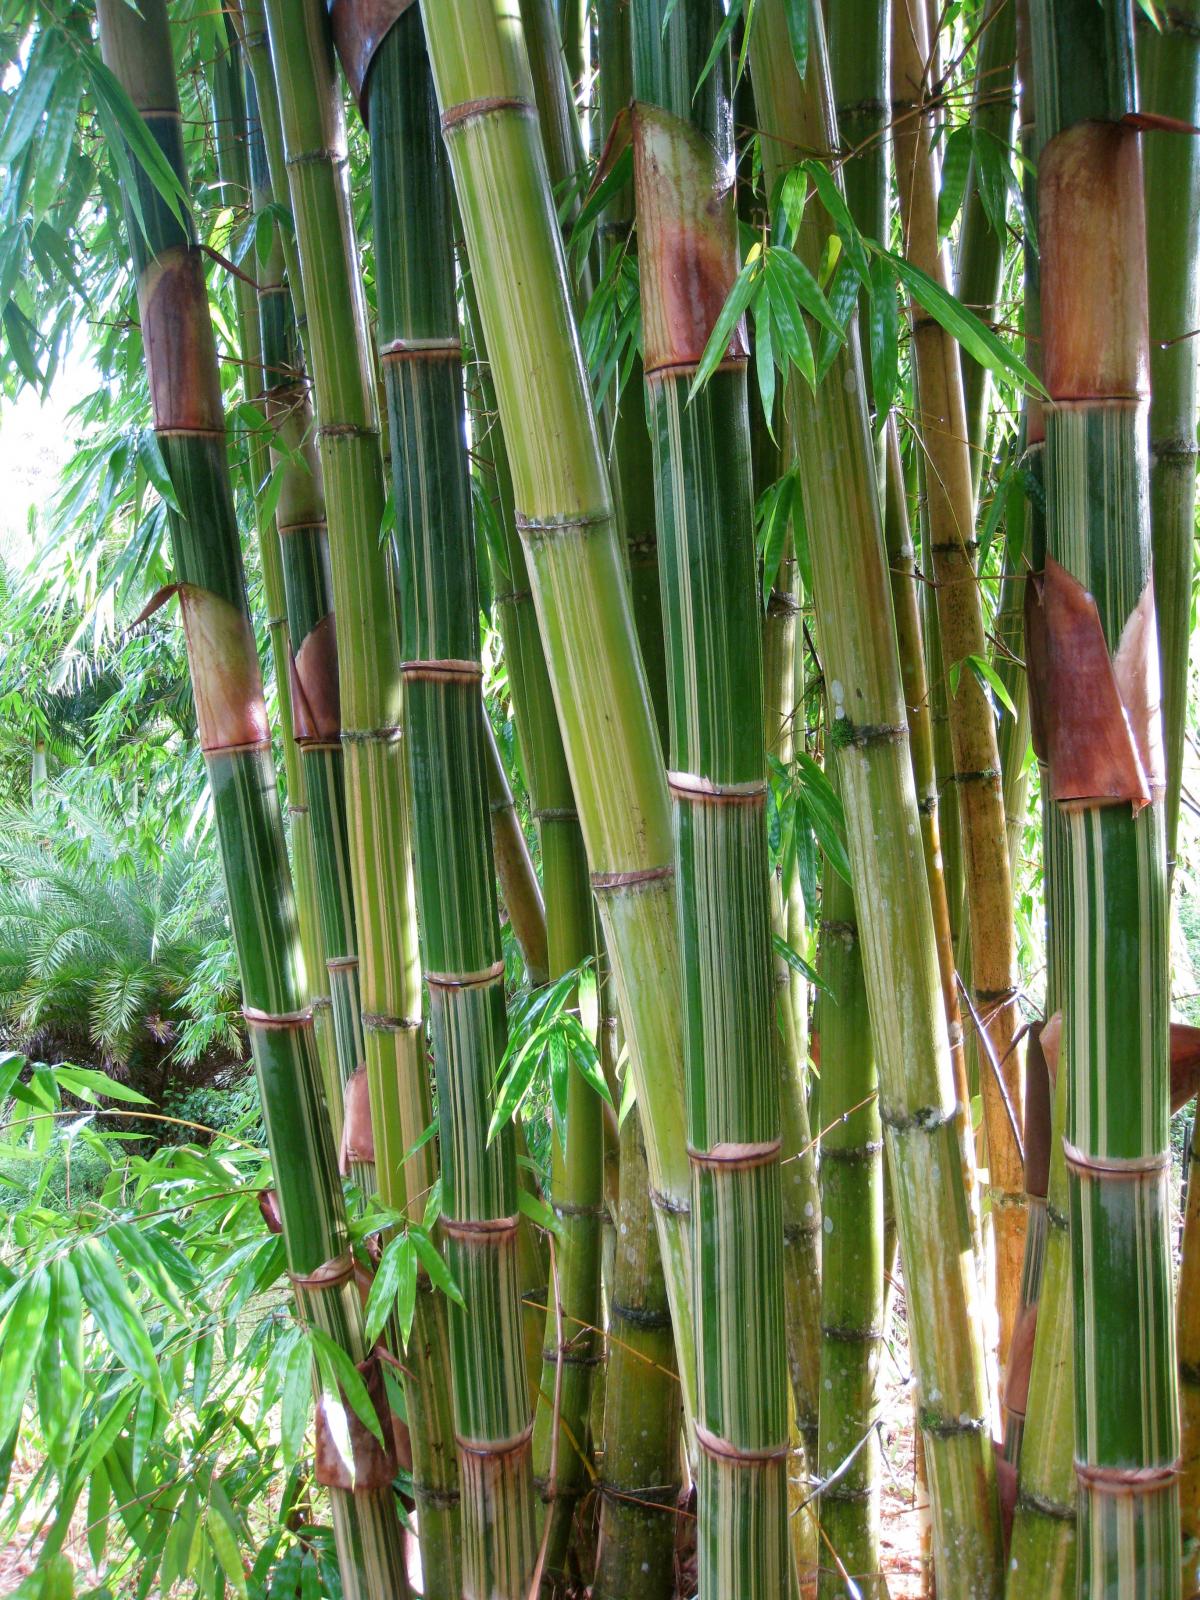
(713, 486)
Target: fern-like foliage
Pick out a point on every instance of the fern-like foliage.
(110, 941)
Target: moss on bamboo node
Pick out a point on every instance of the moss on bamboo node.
(841, 733)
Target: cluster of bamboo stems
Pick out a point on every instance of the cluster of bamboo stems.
(707, 1312)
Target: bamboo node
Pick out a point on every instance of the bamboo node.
(1133, 1168)
(277, 1019)
(1126, 1480)
(330, 1274)
(728, 1156)
(625, 880)
(848, 1335)
(340, 963)
(454, 116)
(738, 1455)
(386, 735)
(639, 1316)
(421, 350)
(380, 1022)
(984, 775)
(448, 670)
(844, 733)
(471, 1227)
(555, 814)
(496, 1447)
(546, 527)
(943, 1427)
(851, 1152)
(651, 1497)
(321, 1002)
(668, 1203)
(465, 980)
(564, 1208)
(925, 1119)
(1044, 1506)
(312, 158)
(691, 786)
(346, 430)
(435, 1495)
(572, 1358)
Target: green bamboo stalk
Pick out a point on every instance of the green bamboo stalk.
(801, 1195)
(298, 96)
(189, 422)
(574, 1311)
(1169, 85)
(1187, 1324)
(687, 230)
(519, 887)
(869, 732)
(1042, 1442)
(298, 588)
(979, 265)
(631, 464)
(1043, 1551)
(233, 167)
(783, 716)
(852, 1262)
(421, 358)
(977, 774)
(565, 516)
(639, 1477)
(1115, 995)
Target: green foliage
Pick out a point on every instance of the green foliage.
(149, 1359)
(111, 941)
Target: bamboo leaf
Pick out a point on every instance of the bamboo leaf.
(87, 1084)
(115, 105)
(788, 268)
(406, 1293)
(730, 21)
(798, 963)
(536, 1209)
(341, 1378)
(834, 201)
(225, 1547)
(112, 1306)
(789, 325)
(435, 1265)
(141, 1249)
(989, 678)
(884, 327)
(745, 286)
(824, 810)
(33, 94)
(796, 14)
(956, 164)
(24, 1329)
(559, 1064)
(764, 363)
(384, 1285)
(295, 1399)
(587, 1062)
(977, 340)
(516, 1085)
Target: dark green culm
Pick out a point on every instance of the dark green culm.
(434, 562)
(1090, 619)
(290, 53)
(231, 714)
(687, 225)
